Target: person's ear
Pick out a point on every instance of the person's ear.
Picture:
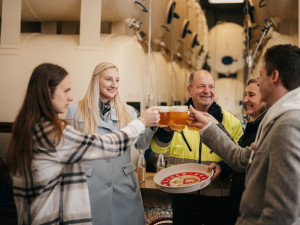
(188, 88)
(275, 76)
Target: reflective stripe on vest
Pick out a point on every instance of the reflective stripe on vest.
(175, 161)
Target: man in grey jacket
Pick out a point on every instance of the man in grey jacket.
(272, 164)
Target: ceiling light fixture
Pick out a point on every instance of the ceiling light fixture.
(225, 1)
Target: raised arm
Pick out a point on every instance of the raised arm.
(233, 155)
(78, 146)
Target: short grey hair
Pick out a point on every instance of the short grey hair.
(191, 78)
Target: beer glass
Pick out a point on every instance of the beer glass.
(179, 116)
(165, 118)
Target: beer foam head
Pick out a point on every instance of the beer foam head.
(163, 108)
(179, 108)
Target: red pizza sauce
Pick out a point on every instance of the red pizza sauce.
(183, 179)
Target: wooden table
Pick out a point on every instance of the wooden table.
(152, 195)
(157, 203)
(149, 183)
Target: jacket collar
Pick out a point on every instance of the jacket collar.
(113, 116)
(104, 120)
(252, 127)
(214, 110)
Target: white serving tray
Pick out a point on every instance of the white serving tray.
(179, 169)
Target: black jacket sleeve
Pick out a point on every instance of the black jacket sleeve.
(164, 136)
(226, 171)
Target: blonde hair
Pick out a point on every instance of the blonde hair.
(88, 107)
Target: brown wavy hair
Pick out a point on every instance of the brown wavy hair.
(36, 105)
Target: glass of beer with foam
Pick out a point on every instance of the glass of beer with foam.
(165, 117)
(179, 116)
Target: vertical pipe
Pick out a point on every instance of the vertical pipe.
(90, 23)
(149, 55)
(158, 80)
(172, 58)
(11, 23)
(248, 56)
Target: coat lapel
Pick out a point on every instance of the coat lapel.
(106, 122)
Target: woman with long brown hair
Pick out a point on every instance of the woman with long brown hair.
(45, 154)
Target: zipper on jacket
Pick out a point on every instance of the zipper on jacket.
(186, 142)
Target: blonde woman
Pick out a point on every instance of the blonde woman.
(113, 186)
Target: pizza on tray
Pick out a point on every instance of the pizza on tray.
(183, 179)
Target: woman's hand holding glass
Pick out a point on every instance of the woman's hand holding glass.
(150, 117)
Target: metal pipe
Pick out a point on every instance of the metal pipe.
(267, 27)
(149, 55)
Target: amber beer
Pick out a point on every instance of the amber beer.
(192, 128)
(165, 117)
(179, 116)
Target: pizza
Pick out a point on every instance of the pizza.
(183, 179)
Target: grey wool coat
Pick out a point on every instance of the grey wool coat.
(113, 186)
(272, 187)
